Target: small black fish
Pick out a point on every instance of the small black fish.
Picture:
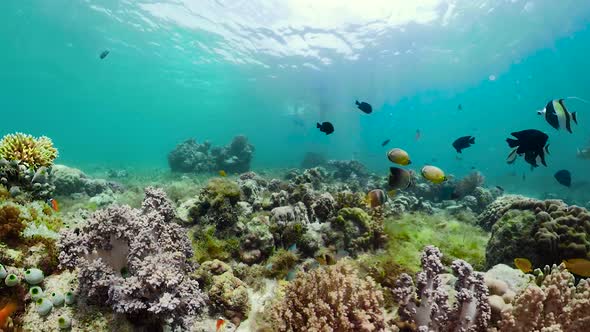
(532, 143)
(104, 54)
(385, 142)
(463, 143)
(326, 127)
(564, 177)
(365, 107)
(460, 107)
(500, 188)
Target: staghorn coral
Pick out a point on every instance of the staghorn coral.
(557, 305)
(28, 150)
(426, 306)
(136, 261)
(545, 232)
(330, 299)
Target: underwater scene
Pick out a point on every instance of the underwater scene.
(295, 165)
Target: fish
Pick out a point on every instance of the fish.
(583, 153)
(364, 107)
(376, 198)
(578, 266)
(460, 107)
(564, 177)
(399, 156)
(385, 142)
(104, 54)
(5, 312)
(219, 324)
(500, 188)
(222, 173)
(418, 135)
(400, 178)
(54, 204)
(532, 143)
(325, 127)
(463, 143)
(557, 115)
(291, 274)
(293, 248)
(523, 264)
(433, 174)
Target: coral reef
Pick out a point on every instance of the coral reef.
(545, 232)
(26, 150)
(557, 305)
(354, 173)
(135, 260)
(192, 157)
(426, 305)
(25, 166)
(69, 181)
(331, 299)
(355, 231)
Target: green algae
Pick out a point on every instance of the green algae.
(207, 246)
(408, 235)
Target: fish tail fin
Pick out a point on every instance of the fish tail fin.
(575, 117)
(512, 142)
(547, 149)
(357, 102)
(318, 125)
(472, 140)
(578, 98)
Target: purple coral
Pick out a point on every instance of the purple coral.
(427, 307)
(135, 260)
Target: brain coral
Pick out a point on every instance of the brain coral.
(545, 232)
(33, 152)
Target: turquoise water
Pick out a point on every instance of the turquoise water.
(215, 69)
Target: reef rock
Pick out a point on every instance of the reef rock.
(545, 232)
(69, 181)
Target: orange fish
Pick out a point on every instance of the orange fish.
(220, 324)
(6, 312)
(418, 135)
(54, 204)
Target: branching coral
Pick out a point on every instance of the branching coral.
(558, 305)
(136, 261)
(30, 151)
(426, 306)
(331, 299)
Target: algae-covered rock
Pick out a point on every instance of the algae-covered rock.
(230, 295)
(257, 242)
(545, 232)
(356, 231)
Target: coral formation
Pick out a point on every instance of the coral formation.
(136, 261)
(68, 181)
(28, 150)
(355, 231)
(426, 305)
(557, 305)
(330, 299)
(192, 157)
(545, 232)
(313, 159)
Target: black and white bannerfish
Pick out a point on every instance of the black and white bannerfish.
(558, 116)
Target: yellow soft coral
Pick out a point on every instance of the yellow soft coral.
(31, 151)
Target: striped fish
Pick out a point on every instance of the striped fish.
(558, 116)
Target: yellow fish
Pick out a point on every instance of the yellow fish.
(433, 174)
(578, 266)
(523, 264)
(222, 173)
(399, 157)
